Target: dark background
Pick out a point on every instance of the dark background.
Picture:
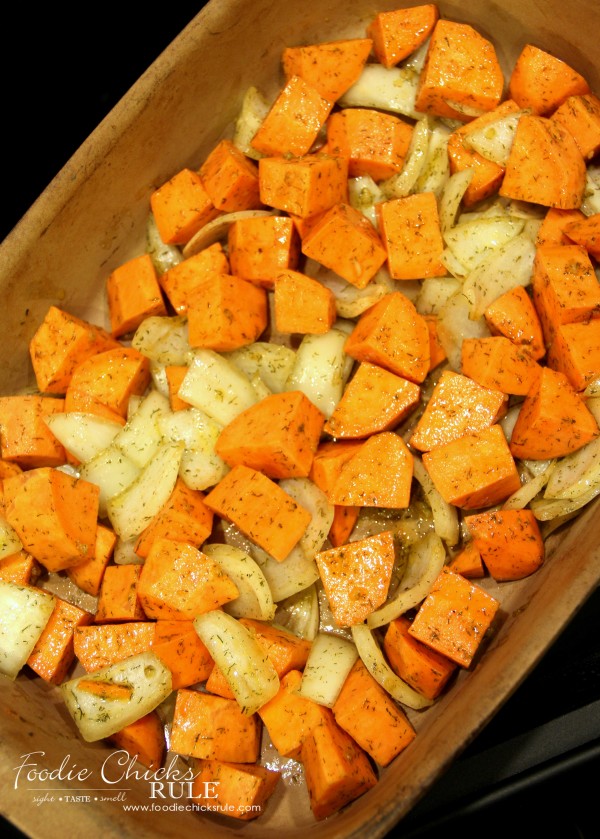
(534, 770)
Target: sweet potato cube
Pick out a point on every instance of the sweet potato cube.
(575, 351)
(331, 67)
(260, 248)
(302, 305)
(514, 316)
(552, 229)
(437, 353)
(337, 770)
(303, 186)
(392, 334)
(421, 667)
(378, 475)
(54, 653)
(476, 470)
(580, 115)
(87, 575)
(374, 400)
(356, 576)
(54, 514)
(263, 511)
(565, 287)
(277, 436)
(509, 542)
(108, 380)
(293, 121)
(184, 518)
(544, 165)
(375, 143)
(175, 374)
(344, 519)
(62, 342)
(241, 790)
(398, 33)
(410, 228)
(214, 728)
(181, 206)
(25, 438)
(178, 582)
(343, 240)
(144, 740)
(457, 406)
(468, 562)
(542, 82)
(226, 313)
(100, 645)
(182, 280)
(119, 595)
(133, 294)
(329, 460)
(585, 231)
(454, 617)
(553, 420)
(498, 364)
(230, 178)
(20, 568)
(462, 76)
(290, 717)
(178, 645)
(371, 717)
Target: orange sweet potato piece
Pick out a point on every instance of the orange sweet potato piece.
(277, 436)
(454, 617)
(331, 67)
(144, 740)
(100, 645)
(371, 717)
(184, 518)
(62, 342)
(542, 82)
(553, 420)
(19, 568)
(398, 33)
(302, 305)
(181, 206)
(374, 400)
(119, 598)
(487, 175)
(497, 363)
(87, 575)
(514, 316)
(461, 77)
(263, 511)
(344, 519)
(178, 582)
(378, 475)
(178, 645)
(476, 470)
(586, 233)
(260, 248)
(303, 186)
(241, 790)
(410, 229)
(356, 576)
(575, 351)
(393, 335)
(552, 228)
(468, 562)
(375, 143)
(457, 406)
(423, 668)
(214, 728)
(53, 654)
(544, 166)
(293, 121)
(108, 380)
(25, 439)
(329, 460)
(580, 115)
(182, 280)
(337, 770)
(509, 541)
(437, 353)
(289, 717)
(343, 240)
(175, 374)
(565, 287)
(226, 313)
(230, 178)
(134, 294)
(54, 514)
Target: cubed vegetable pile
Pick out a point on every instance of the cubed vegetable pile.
(353, 380)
